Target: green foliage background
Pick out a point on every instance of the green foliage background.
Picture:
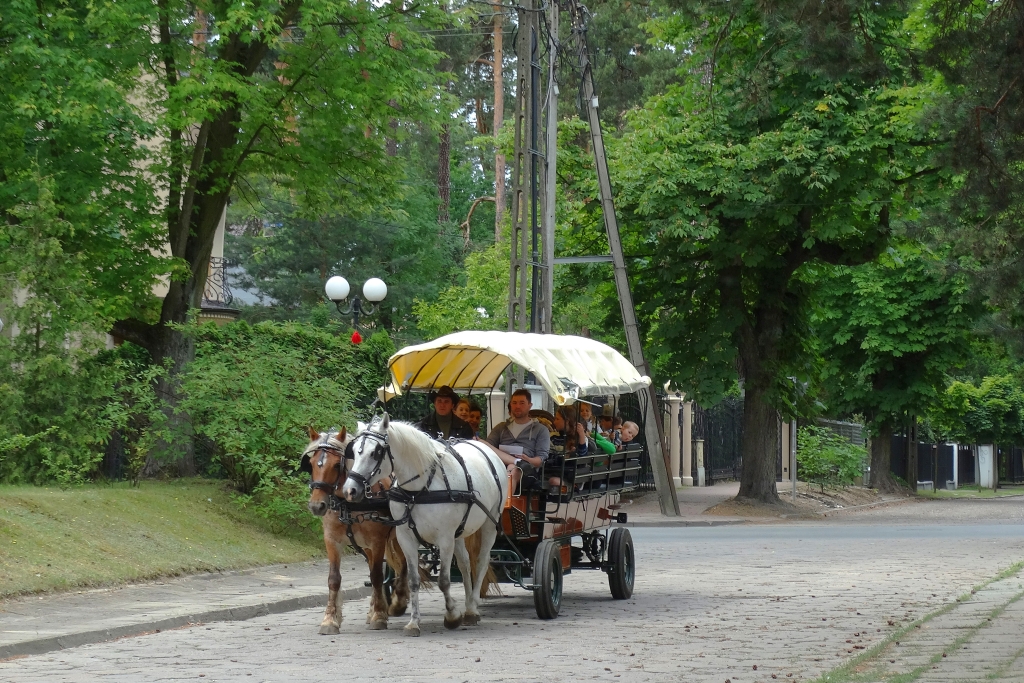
(828, 459)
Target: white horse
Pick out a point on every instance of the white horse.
(419, 464)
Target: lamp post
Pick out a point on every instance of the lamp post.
(374, 290)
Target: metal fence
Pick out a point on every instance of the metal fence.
(721, 430)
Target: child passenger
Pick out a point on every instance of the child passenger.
(570, 435)
(629, 431)
(586, 417)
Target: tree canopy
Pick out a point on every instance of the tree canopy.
(792, 142)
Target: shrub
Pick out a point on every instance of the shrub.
(61, 405)
(827, 459)
(254, 389)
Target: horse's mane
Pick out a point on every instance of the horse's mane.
(332, 439)
(412, 446)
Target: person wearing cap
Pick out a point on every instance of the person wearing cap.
(442, 423)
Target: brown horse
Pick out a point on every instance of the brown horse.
(324, 459)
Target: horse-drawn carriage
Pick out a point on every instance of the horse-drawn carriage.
(441, 493)
(549, 530)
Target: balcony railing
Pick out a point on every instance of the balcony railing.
(217, 293)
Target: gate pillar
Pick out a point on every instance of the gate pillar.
(686, 461)
(674, 437)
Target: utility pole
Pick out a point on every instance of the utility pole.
(654, 432)
(524, 163)
(533, 170)
(546, 295)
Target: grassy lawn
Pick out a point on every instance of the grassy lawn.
(975, 492)
(107, 534)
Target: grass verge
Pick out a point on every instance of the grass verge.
(974, 492)
(108, 534)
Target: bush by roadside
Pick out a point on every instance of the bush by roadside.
(827, 459)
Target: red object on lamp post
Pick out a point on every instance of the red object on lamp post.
(357, 338)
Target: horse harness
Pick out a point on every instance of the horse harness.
(425, 496)
(366, 511)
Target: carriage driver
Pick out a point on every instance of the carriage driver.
(524, 431)
(442, 423)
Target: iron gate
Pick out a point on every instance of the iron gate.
(721, 429)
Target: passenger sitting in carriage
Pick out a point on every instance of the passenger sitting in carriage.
(442, 423)
(476, 416)
(522, 442)
(570, 441)
(586, 417)
(629, 431)
(607, 422)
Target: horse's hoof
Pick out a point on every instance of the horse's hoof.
(396, 610)
(379, 625)
(470, 619)
(452, 624)
(329, 630)
(411, 630)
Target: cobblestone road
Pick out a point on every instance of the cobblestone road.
(743, 604)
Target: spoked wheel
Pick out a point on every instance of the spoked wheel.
(547, 579)
(621, 564)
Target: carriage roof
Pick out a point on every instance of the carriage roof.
(567, 367)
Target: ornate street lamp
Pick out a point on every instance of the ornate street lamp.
(374, 291)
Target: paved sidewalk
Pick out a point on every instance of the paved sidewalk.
(643, 509)
(978, 637)
(37, 624)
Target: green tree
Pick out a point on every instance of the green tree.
(306, 93)
(287, 258)
(890, 333)
(793, 141)
(57, 393)
(976, 47)
(990, 412)
(480, 303)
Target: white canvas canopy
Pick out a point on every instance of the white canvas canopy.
(567, 367)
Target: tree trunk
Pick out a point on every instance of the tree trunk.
(179, 450)
(499, 111)
(444, 173)
(758, 338)
(760, 441)
(881, 461)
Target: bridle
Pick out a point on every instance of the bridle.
(381, 448)
(322, 449)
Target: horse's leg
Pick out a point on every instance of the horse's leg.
(400, 586)
(445, 549)
(469, 616)
(483, 563)
(378, 605)
(410, 546)
(331, 623)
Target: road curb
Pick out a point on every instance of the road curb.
(241, 613)
(687, 523)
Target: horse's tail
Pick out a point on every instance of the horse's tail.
(396, 558)
(490, 584)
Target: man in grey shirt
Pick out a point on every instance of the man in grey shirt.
(522, 431)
